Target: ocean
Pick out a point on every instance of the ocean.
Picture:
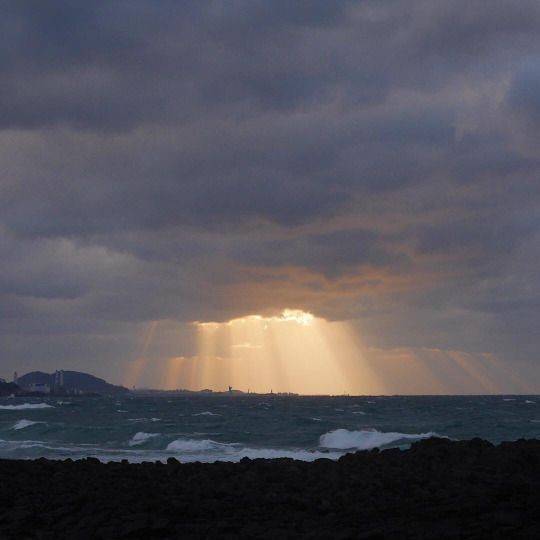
(206, 428)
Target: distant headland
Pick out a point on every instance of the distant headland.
(59, 383)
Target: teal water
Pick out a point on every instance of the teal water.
(221, 427)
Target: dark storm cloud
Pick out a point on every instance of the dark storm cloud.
(483, 238)
(117, 65)
(200, 160)
(250, 97)
(113, 66)
(523, 96)
(331, 254)
(286, 170)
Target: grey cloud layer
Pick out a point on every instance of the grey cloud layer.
(363, 159)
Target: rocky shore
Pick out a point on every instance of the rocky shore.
(436, 489)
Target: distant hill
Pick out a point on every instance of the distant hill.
(73, 381)
(7, 388)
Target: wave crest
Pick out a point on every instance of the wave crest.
(21, 424)
(141, 437)
(25, 406)
(193, 445)
(343, 439)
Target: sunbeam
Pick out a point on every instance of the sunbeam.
(292, 352)
(137, 367)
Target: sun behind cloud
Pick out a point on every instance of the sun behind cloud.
(294, 351)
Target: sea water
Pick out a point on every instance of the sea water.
(200, 427)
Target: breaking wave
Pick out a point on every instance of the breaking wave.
(193, 445)
(26, 406)
(141, 438)
(342, 439)
(209, 450)
(21, 424)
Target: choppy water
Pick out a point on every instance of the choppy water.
(210, 428)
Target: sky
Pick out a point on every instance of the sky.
(375, 164)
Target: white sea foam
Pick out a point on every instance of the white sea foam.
(273, 453)
(25, 406)
(207, 450)
(206, 413)
(195, 445)
(343, 439)
(141, 437)
(46, 446)
(21, 424)
(25, 445)
(359, 412)
(529, 401)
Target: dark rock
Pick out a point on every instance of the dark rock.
(436, 489)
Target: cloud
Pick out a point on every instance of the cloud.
(523, 95)
(185, 161)
(331, 254)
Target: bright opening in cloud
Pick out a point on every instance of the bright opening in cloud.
(298, 316)
(294, 351)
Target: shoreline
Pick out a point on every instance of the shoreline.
(436, 488)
